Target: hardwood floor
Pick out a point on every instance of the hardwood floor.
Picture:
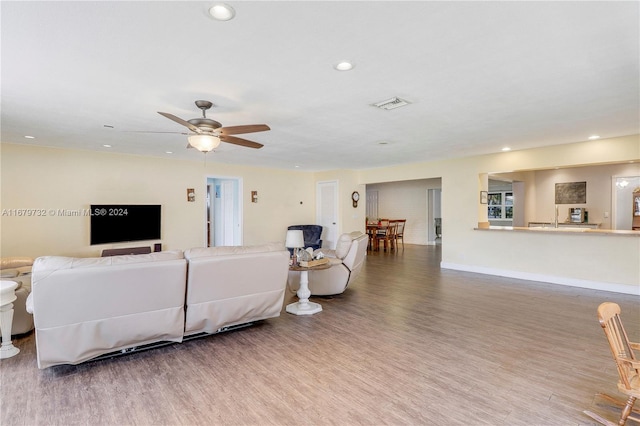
(406, 344)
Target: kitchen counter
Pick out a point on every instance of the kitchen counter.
(562, 230)
(564, 225)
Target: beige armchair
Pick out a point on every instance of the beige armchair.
(346, 261)
(18, 269)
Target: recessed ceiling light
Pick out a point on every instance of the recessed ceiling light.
(107, 146)
(594, 137)
(30, 137)
(168, 152)
(344, 66)
(222, 12)
(506, 148)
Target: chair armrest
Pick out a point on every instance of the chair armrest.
(326, 252)
(635, 346)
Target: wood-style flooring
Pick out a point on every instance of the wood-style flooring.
(406, 344)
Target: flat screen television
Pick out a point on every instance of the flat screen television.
(117, 223)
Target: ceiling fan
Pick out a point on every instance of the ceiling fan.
(207, 133)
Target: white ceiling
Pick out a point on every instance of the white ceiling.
(478, 76)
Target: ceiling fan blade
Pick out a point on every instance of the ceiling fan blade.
(240, 141)
(249, 128)
(180, 121)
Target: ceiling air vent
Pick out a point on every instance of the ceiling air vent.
(392, 103)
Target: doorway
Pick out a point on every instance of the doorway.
(434, 216)
(224, 212)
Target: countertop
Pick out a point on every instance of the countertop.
(563, 230)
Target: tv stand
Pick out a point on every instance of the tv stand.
(128, 250)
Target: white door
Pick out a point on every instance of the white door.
(372, 205)
(225, 212)
(225, 229)
(327, 212)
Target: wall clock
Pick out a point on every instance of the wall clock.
(355, 197)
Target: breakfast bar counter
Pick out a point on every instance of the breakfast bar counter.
(562, 230)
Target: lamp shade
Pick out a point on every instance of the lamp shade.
(204, 143)
(295, 239)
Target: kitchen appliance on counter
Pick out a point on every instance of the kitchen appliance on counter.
(578, 215)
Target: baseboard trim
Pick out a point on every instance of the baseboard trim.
(551, 279)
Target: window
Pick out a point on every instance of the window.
(500, 205)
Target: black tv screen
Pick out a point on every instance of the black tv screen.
(116, 223)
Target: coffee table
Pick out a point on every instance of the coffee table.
(303, 306)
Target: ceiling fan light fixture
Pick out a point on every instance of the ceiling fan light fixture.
(222, 12)
(204, 143)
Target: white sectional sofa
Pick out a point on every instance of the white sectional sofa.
(87, 307)
(227, 286)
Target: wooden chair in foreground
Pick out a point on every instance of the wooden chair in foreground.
(627, 363)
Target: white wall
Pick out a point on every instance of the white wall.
(48, 178)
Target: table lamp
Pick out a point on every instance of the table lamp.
(295, 241)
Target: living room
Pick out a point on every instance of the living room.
(61, 171)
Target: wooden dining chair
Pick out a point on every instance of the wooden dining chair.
(379, 233)
(627, 364)
(400, 232)
(386, 235)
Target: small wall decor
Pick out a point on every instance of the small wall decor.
(483, 197)
(254, 196)
(571, 193)
(191, 195)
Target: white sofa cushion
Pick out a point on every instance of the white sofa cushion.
(227, 286)
(92, 306)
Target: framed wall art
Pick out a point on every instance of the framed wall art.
(571, 193)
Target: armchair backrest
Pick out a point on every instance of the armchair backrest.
(621, 348)
(312, 235)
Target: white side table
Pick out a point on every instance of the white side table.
(303, 306)
(7, 296)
